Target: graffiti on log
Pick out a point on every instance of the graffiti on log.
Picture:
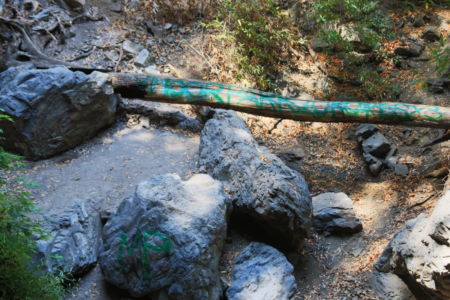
(195, 91)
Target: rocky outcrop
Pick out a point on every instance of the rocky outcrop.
(73, 241)
(54, 109)
(261, 272)
(167, 239)
(266, 194)
(378, 151)
(419, 253)
(333, 214)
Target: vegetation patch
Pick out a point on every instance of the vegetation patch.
(20, 277)
(260, 33)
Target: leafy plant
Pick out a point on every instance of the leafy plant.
(441, 57)
(376, 86)
(261, 34)
(20, 278)
(363, 18)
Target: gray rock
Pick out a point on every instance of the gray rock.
(54, 109)
(419, 20)
(167, 239)
(318, 44)
(132, 48)
(403, 64)
(378, 151)
(377, 145)
(431, 34)
(265, 192)
(261, 272)
(438, 85)
(2, 4)
(162, 113)
(390, 286)
(349, 34)
(76, 4)
(435, 162)
(333, 214)
(116, 7)
(419, 253)
(153, 69)
(412, 50)
(364, 131)
(142, 58)
(74, 239)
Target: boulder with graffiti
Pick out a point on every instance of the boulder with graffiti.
(167, 239)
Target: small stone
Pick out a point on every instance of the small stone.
(130, 47)
(112, 55)
(403, 64)
(401, 169)
(76, 4)
(400, 24)
(377, 145)
(116, 7)
(375, 168)
(438, 85)
(431, 34)
(318, 44)
(364, 131)
(170, 39)
(142, 58)
(412, 50)
(167, 26)
(153, 69)
(30, 5)
(419, 20)
(181, 30)
(333, 214)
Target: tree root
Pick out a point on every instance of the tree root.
(22, 49)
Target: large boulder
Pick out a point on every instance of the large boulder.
(73, 240)
(419, 253)
(54, 109)
(267, 194)
(261, 272)
(167, 239)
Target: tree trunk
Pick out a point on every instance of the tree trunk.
(183, 91)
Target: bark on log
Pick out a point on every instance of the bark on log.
(183, 91)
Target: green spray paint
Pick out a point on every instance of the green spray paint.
(190, 91)
(141, 245)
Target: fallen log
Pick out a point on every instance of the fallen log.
(184, 91)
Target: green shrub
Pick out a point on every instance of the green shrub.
(441, 57)
(363, 18)
(375, 86)
(20, 277)
(261, 34)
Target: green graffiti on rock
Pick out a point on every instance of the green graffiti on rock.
(190, 91)
(140, 248)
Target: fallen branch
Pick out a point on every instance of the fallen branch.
(183, 91)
